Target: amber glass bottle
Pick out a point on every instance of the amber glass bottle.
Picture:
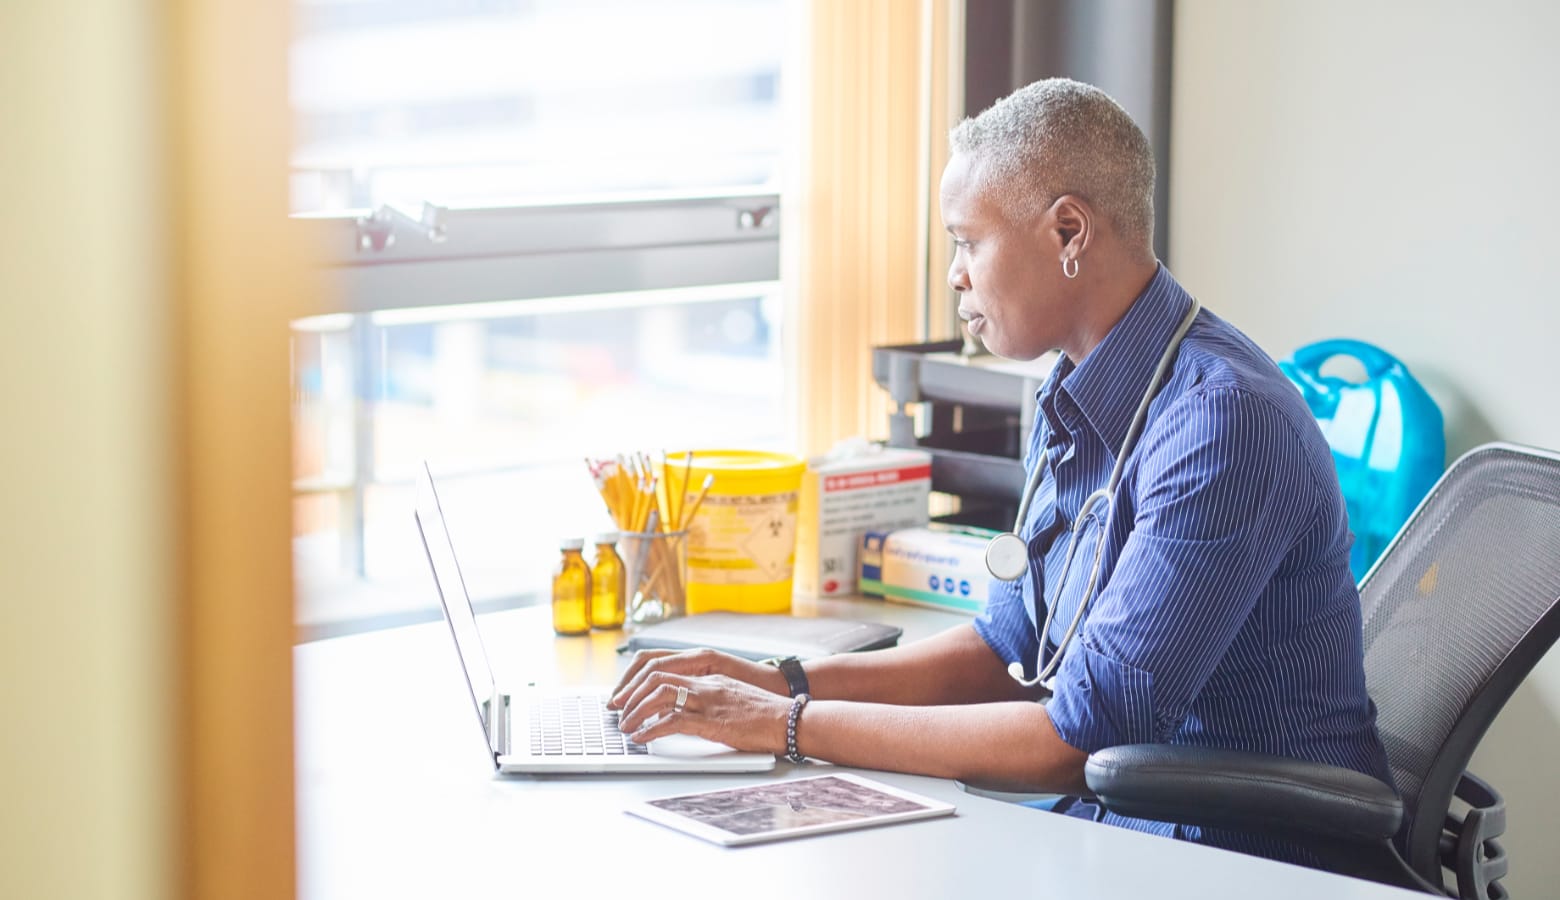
(606, 584)
(571, 590)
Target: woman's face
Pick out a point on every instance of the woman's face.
(1007, 273)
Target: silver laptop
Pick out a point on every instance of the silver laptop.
(550, 730)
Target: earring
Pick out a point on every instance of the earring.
(1074, 272)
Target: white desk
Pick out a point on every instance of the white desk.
(397, 798)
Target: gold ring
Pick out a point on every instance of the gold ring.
(682, 699)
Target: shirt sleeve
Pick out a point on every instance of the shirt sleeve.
(1004, 624)
(1222, 490)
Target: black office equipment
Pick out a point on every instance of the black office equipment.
(976, 412)
(1460, 607)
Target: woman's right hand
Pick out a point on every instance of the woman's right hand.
(649, 665)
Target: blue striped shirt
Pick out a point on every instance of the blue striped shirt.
(1225, 614)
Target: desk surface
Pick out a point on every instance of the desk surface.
(397, 798)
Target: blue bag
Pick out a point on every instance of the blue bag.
(1386, 437)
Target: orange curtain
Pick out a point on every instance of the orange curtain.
(862, 247)
(237, 279)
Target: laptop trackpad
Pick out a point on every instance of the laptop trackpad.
(687, 746)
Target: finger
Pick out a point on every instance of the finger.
(658, 700)
(637, 665)
(670, 723)
(679, 662)
(688, 721)
(645, 662)
(682, 662)
(646, 685)
(657, 704)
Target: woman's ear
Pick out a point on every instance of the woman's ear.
(1072, 224)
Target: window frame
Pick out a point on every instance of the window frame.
(386, 259)
(560, 249)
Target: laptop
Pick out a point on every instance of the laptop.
(541, 730)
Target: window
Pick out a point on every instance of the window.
(553, 230)
(483, 101)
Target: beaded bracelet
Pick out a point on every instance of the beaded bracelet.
(791, 753)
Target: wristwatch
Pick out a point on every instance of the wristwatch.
(791, 668)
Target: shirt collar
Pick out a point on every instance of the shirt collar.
(1108, 385)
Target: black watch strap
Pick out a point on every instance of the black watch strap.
(795, 678)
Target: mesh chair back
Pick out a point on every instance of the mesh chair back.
(1457, 611)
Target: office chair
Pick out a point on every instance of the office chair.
(1460, 607)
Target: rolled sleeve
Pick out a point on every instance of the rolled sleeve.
(1214, 515)
(1101, 702)
(1005, 626)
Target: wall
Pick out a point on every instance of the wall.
(1387, 171)
(1121, 46)
(86, 666)
(147, 274)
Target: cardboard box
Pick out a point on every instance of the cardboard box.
(941, 566)
(881, 488)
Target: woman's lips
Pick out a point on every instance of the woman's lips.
(974, 322)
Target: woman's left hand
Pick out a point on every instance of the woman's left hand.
(716, 707)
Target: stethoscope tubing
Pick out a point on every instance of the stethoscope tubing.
(1002, 545)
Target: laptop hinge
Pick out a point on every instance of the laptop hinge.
(497, 709)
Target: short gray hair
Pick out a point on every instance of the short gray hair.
(1056, 137)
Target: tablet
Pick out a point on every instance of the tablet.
(777, 810)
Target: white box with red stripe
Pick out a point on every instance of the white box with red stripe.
(879, 489)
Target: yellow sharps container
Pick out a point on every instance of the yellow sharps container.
(742, 540)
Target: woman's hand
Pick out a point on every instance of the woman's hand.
(717, 707)
(647, 664)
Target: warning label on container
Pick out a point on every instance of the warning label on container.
(743, 540)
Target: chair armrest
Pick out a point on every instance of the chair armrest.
(1243, 791)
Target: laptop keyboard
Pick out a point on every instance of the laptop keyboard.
(577, 726)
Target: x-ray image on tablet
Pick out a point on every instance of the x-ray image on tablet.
(783, 809)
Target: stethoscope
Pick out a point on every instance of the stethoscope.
(1007, 556)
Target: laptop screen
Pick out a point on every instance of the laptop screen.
(452, 595)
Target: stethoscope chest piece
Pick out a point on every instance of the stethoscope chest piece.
(1007, 558)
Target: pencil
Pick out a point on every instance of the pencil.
(682, 496)
(693, 510)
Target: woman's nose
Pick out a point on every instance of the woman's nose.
(958, 277)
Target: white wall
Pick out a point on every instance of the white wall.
(1389, 171)
(86, 638)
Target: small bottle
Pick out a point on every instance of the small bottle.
(606, 584)
(571, 590)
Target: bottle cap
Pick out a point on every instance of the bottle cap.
(571, 544)
(606, 537)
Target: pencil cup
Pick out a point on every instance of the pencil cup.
(656, 575)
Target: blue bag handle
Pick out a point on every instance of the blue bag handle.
(1377, 362)
(1321, 391)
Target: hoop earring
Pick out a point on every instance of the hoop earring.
(1074, 272)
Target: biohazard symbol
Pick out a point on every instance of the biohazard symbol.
(769, 546)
